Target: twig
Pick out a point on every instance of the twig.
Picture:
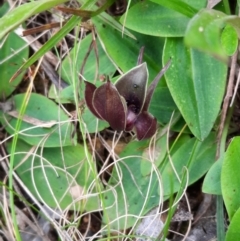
(226, 101)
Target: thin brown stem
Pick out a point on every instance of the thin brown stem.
(226, 101)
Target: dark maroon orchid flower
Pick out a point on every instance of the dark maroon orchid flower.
(125, 105)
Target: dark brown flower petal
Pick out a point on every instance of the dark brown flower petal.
(132, 86)
(145, 125)
(110, 106)
(89, 91)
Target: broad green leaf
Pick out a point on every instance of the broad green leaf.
(59, 177)
(197, 84)
(128, 192)
(230, 178)
(134, 191)
(229, 40)
(180, 124)
(21, 13)
(40, 112)
(4, 8)
(162, 105)
(233, 232)
(212, 181)
(90, 71)
(196, 156)
(62, 96)
(203, 32)
(12, 56)
(154, 154)
(93, 124)
(184, 7)
(153, 19)
(192, 4)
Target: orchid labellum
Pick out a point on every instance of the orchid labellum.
(125, 105)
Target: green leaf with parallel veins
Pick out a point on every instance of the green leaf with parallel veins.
(197, 84)
(10, 61)
(12, 56)
(233, 232)
(142, 187)
(187, 8)
(59, 177)
(153, 19)
(230, 178)
(193, 154)
(162, 105)
(212, 181)
(161, 18)
(93, 124)
(40, 112)
(136, 195)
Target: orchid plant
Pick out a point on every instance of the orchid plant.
(125, 105)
